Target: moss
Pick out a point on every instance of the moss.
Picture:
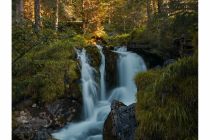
(94, 56)
(40, 73)
(167, 102)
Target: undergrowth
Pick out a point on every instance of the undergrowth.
(167, 106)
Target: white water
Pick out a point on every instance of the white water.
(89, 86)
(102, 74)
(129, 64)
(96, 111)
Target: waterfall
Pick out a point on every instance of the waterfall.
(102, 74)
(96, 109)
(128, 64)
(89, 86)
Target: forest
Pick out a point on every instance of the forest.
(105, 69)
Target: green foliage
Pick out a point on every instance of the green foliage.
(162, 30)
(40, 73)
(184, 68)
(145, 35)
(146, 78)
(40, 61)
(22, 39)
(79, 40)
(167, 106)
(118, 40)
(123, 16)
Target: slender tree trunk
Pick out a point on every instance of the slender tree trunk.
(17, 18)
(37, 15)
(84, 24)
(124, 24)
(154, 6)
(148, 11)
(160, 3)
(109, 17)
(56, 15)
(83, 15)
(19, 11)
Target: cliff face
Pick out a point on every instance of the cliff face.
(120, 123)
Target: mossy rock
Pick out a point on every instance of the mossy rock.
(94, 56)
(40, 73)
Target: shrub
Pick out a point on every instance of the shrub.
(118, 40)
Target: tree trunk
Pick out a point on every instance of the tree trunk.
(124, 24)
(148, 11)
(56, 15)
(154, 6)
(109, 13)
(160, 3)
(84, 17)
(37, 15)
(19, 11)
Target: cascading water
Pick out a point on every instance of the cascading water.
(128, 65)
(102, 74)
(96, 109)
(89, 86)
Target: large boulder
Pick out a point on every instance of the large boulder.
(120, 123)
(63, 111)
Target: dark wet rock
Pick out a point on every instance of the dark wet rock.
(43, 134)
(144, 49)
(110, 67)
(120, 123)
(23, 132)
(116, 105)
(38, 123)
(27, 125)
(63, 111)
(28, 133)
